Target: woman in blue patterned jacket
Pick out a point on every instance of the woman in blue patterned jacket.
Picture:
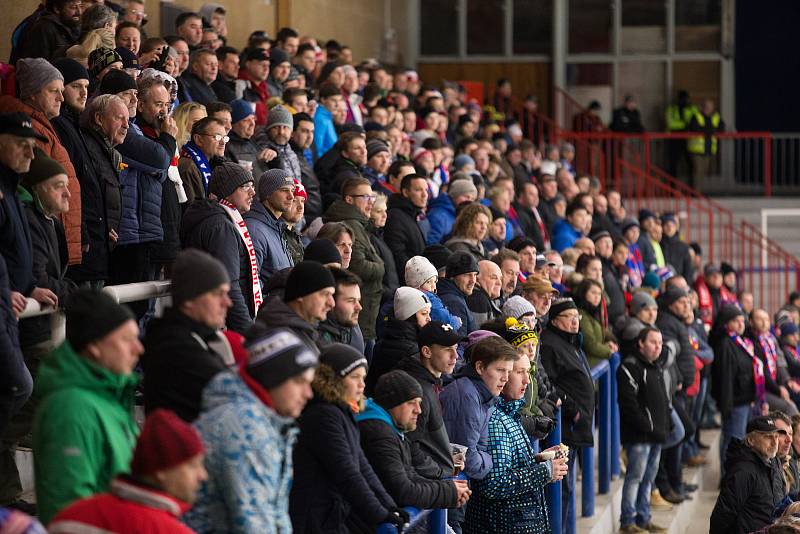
(510, 499)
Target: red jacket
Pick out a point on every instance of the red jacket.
(130, 508)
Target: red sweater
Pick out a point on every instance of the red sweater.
(130, 508)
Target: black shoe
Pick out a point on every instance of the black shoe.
(689, 488)
(703, 446)
(672, 496)
(23, 506)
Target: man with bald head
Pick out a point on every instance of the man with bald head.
(778, 383)
(483, 303)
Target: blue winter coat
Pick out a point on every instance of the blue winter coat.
(148, 162)
(324, 131)
(467, 405)
(510, 499)
(266, 231)
(15, 235)
(248, 459)
(564, 235)
(441, 216)
(456, 302)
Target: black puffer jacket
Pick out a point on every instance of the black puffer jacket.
(676, 253)
(568, 370)
(334, 490)
(528, 223)
(749, 492)
(732, 382)
(402, 233)
(197, 89)
(407, 473)
(208, 227)
(615, 304)
(430, 435)
(399, 340)
(178, 363)
(390, 280)
(675, 329)
(644, 408)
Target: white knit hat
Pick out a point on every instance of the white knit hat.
(517, 306)
(419, 270)
(408, 301)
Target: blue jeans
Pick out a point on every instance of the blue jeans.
(734, 425)
(676, 433)
(639, 476)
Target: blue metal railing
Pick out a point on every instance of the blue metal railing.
(608, 445)
(605, 374)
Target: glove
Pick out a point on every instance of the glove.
(397, 517)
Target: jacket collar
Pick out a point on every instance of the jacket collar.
(486, 396)
(576, 340)
(130, 489)
(204, 331)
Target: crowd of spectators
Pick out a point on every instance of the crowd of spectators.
(381, 295)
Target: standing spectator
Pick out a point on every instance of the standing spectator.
(84, 431)
(341, 324)
(208, 139)
(442, 212)
(468, 403)
(215, 225)
(378, 161)
(510, 498)
(331, 99)
(252, 84)
(676, 252)
(460, 278)
(56, 29)
(612, 284)
(776, 376)
(737, 376)
(644, 424)
(402, 232)
(225, 84)
(483, 302)
(627, 118)
(241, 148)
(565, 362)
(567, 231)
(301, 142)
(703, 149)
(375, 227)
(526, 207)
(247, 422)
(409, 475)
(278, 133)
(712, 294)
(412, 311)
(166, 472)
(354, 209)
(189, 26)
(752, 485)
(40, 96)
(180, 356)
(307, 299)
(437, 343)
(678, 116)
(334, 488)
(648, 220)
(275, 196)
(196, 81)
(598, 342)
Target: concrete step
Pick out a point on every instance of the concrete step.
(689, 517)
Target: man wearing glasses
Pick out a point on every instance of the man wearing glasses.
(354, 209)
(208, 140)
(566, 364)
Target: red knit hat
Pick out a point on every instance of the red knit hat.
(300, 189)
(165, 442)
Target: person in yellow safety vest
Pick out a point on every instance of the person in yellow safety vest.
(703, 149)
(677, 117)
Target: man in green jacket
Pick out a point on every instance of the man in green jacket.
(84, 431)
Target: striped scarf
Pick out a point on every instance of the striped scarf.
(771, 354)
(758, 370)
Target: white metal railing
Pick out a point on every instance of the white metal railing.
(122, 293)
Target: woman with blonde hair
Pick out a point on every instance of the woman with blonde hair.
(185, 116)
(469, 231)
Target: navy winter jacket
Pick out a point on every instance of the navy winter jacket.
(456, 303)
(266, 231)
(441, 216)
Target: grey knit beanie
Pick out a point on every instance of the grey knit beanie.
(226, 177)
(279, 116)
(33, 74)
(272, 180)
(517, 306)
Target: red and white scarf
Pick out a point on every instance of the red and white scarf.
(244, 233)
(770, 354)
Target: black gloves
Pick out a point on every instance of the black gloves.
(397, 517)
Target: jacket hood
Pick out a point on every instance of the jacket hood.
(64, 369)
(200, 213)
(342, 211)
(739, 452)
(443, 202)
(398, 201)
(275, 313)
(374, 411)
(414, 367)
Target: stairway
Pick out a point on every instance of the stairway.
(781, 229)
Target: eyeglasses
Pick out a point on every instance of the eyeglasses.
(217, 137)
(247, 187)
(571, 317)
(370, 198)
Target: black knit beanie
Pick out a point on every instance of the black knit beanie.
(322, 251)
(71, 70)
(394, 388)
(307, 277)
(275, 356)
(195, 272)
(343, 359)
(115, 82)
(91, 315)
